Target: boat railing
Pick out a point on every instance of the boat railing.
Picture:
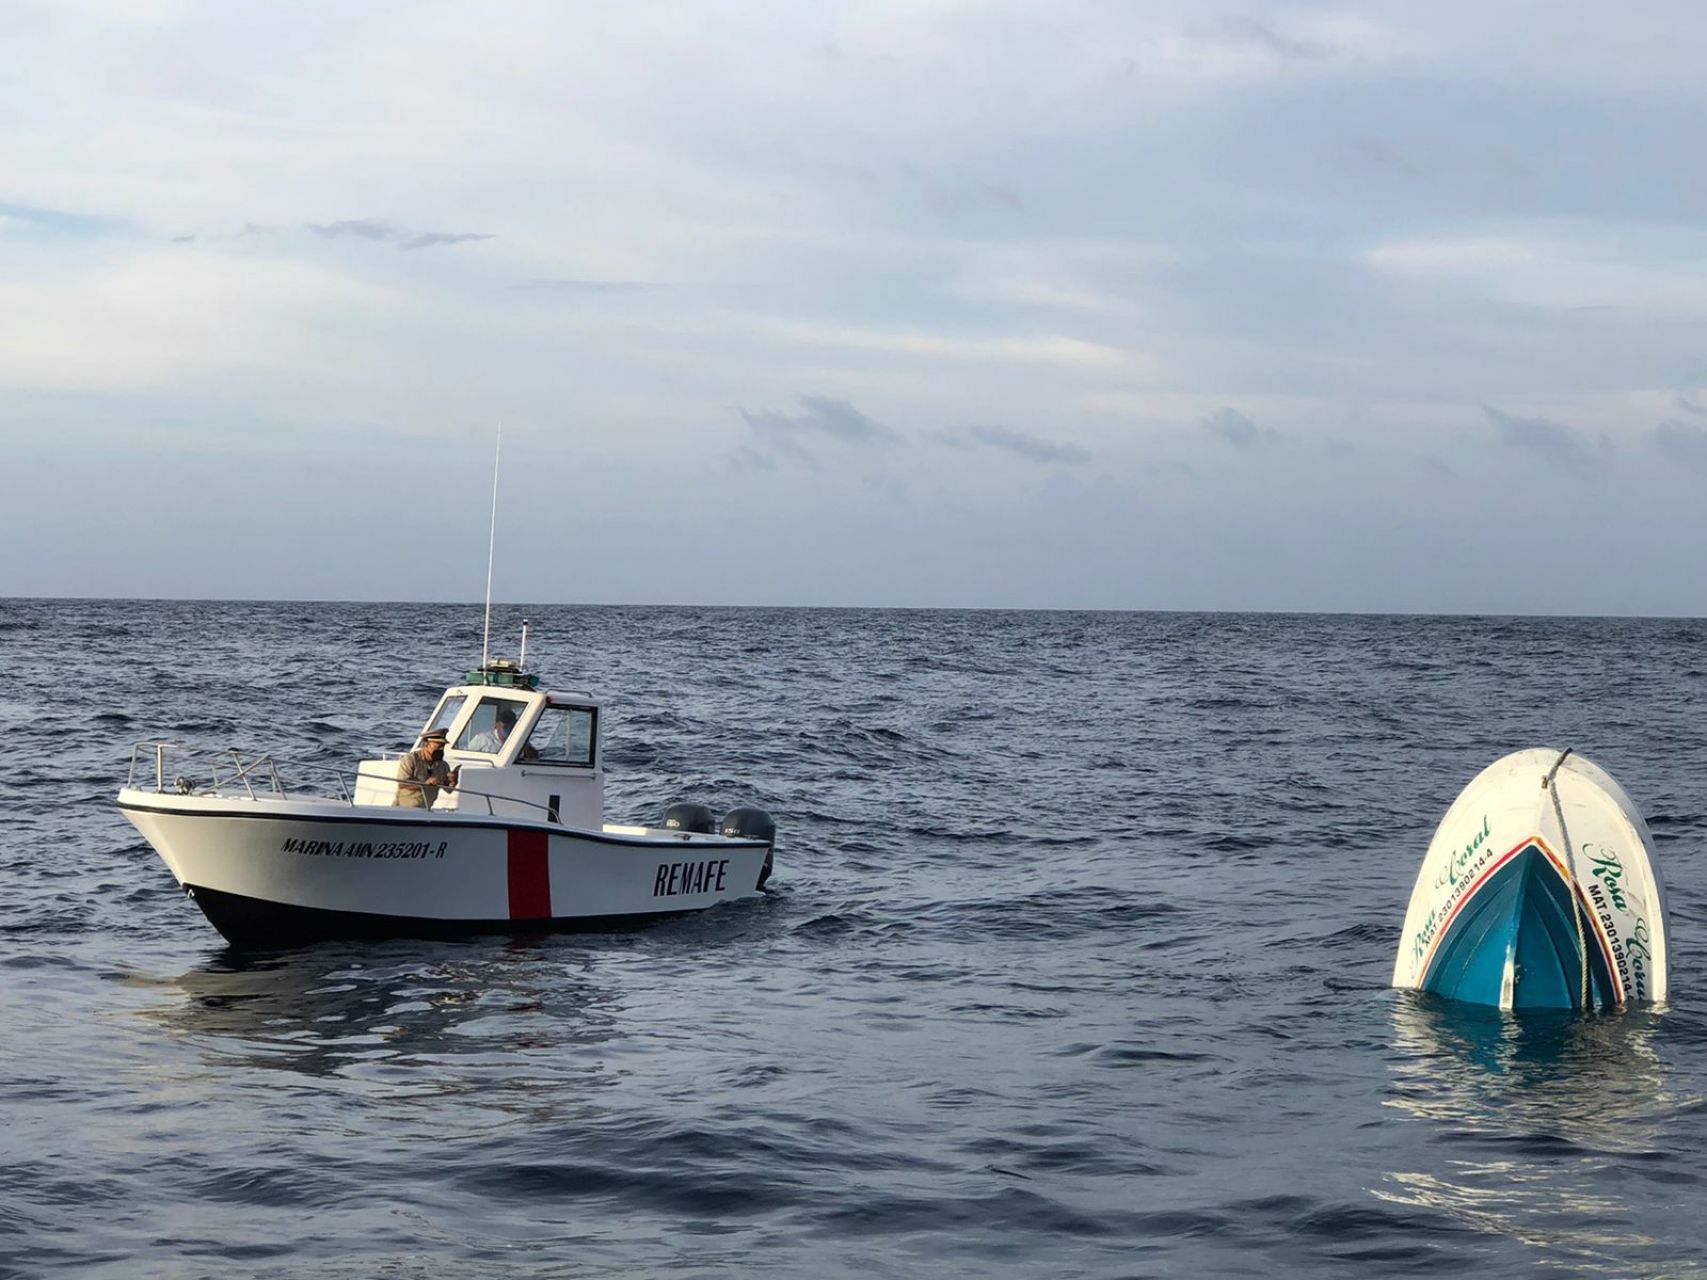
(230, 772)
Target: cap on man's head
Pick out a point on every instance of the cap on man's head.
(434, 735)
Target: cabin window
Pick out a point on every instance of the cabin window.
(488, 728)
(566, 735)
(447, 713)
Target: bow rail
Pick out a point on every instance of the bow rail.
(231, 774)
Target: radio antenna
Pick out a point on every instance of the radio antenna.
(491, 547)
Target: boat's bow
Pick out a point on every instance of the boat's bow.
(1539, 891)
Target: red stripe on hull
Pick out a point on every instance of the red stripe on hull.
(530, 876)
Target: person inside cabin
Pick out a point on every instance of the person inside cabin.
(492, 741)
(423, 772)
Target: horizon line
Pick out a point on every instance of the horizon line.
(864, 608)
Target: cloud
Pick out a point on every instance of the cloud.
(1681, 442)
(53, 221)
(953, 196)
(823, 416)
(1238, 430)
(1028, 447)
(385, 233)
(1373, 153)
(431, 239)
(592, 286)
(1458, 257)
(1246, 35)
(358, 228)
(1050, 349)
(1432, 466)
(1564, 447)
(1584, 273)
(164, 320)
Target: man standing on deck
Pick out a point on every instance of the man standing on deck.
(423, 771)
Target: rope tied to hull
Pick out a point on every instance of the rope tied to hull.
(1550, 785)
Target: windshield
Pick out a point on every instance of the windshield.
(488, 729)
(447, 713)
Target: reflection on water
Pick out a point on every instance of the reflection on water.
(497, 1021)
(1539, 1122)
(1594, 1079)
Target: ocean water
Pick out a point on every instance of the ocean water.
(1075, 963)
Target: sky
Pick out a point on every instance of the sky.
(1109, 304)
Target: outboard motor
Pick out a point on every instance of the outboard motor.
(753, 824)
(687, 816)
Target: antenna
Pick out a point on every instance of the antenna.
(522, 662)
(491, 547)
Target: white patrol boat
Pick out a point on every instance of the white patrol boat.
(520, 844)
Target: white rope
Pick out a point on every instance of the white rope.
(1550, 784)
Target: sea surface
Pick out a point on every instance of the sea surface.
(1075, 962)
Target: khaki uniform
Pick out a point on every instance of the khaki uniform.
(427, 776)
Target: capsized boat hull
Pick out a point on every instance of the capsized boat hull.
(267, 872)
(1538, 897)
(1515, 943)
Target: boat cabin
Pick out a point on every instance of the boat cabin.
(521, 753)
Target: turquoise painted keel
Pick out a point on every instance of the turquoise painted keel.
(1522, 911)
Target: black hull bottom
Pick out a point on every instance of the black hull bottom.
(253, 922)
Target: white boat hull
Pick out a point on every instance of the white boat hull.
(271, 871)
